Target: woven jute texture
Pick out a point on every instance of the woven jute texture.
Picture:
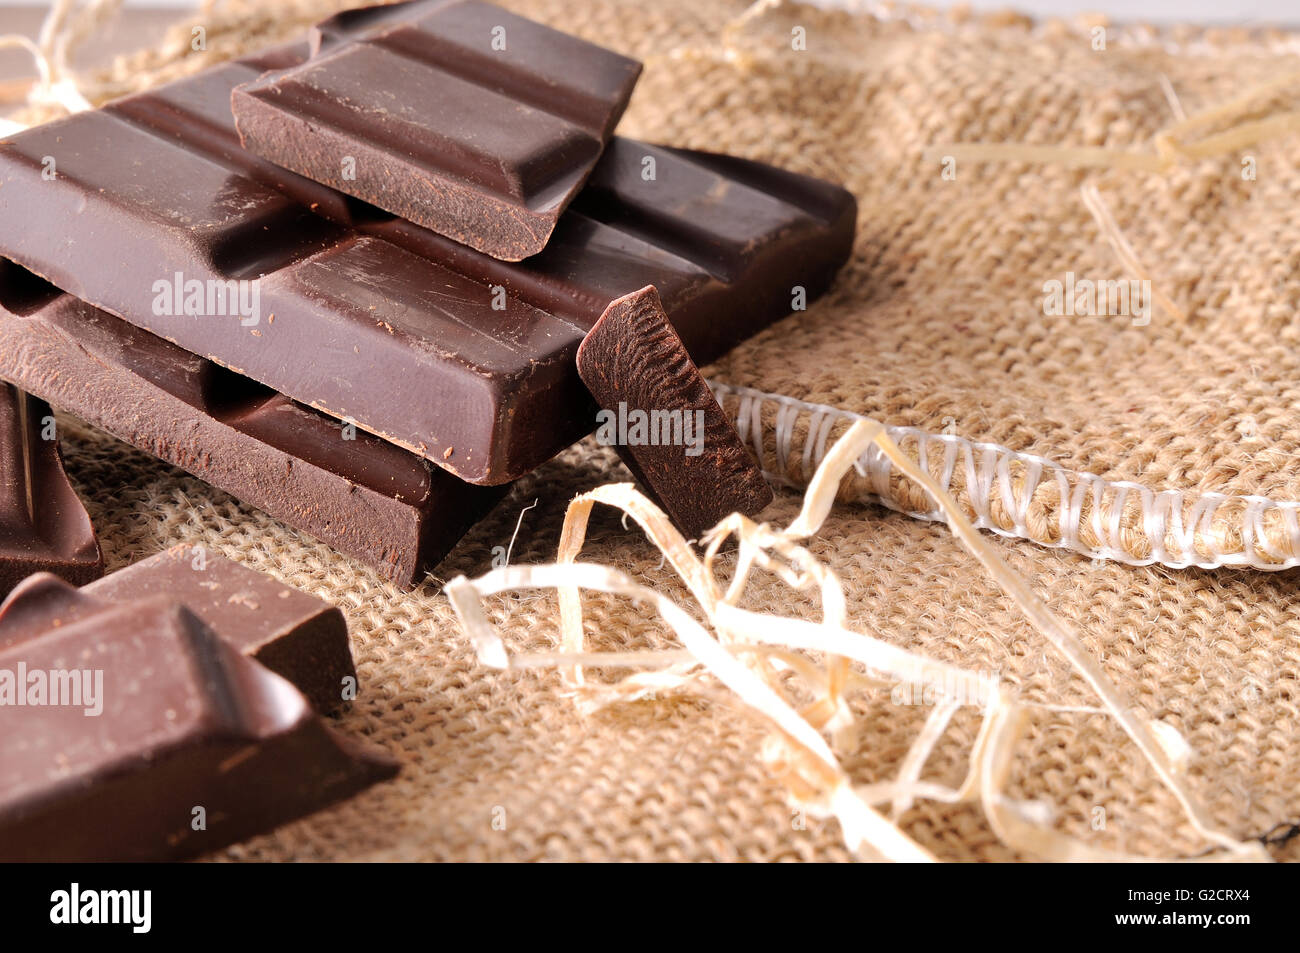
(937, 321)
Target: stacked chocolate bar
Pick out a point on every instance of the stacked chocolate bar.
(362, 283)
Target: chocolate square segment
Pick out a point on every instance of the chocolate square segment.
(298, 636)
(458, 116)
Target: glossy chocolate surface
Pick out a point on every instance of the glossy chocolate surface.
(43, 525)
(454, 114)
(299, 637)
(376, 502)
(430, 344)
(132, 732)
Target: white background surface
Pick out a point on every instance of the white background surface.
(1181, 11)
(1208, 11)
(1216, 11)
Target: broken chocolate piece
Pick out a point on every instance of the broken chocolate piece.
(43, 526)
(386, 507)
(133, 733)
(169, 211)
(297, 636)
(456, 115)
(660, 415)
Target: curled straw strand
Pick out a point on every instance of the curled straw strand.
(1123, 250)
(1172, 144)
(230, 27)
(66, 26)
(753, 657)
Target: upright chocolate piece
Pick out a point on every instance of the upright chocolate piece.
(390, 509)
(297, 636)
(425, 342)
(43, 526)
(132, 733)
(454, 114)
(662, 418)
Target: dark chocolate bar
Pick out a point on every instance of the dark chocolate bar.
(43, 526)
(133, 733)
(299, 637)
(367, 498)
(454, 114)
(430, 344)
(660, 415)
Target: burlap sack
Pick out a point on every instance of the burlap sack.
(938, 322)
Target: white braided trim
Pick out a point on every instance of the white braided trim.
(1131, 523)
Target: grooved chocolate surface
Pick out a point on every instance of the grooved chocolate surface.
(185, 722)
(384, 506)
(454, 114)
(428, 343)
(665, 423)
(294, 634)
(43, 526)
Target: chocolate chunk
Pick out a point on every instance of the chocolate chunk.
(458, 116)
(133, 733)
(423, 341)
(299, 637)
(386, 507)
(43, 526)
(662, 418)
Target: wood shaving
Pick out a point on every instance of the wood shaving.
(828, 659)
